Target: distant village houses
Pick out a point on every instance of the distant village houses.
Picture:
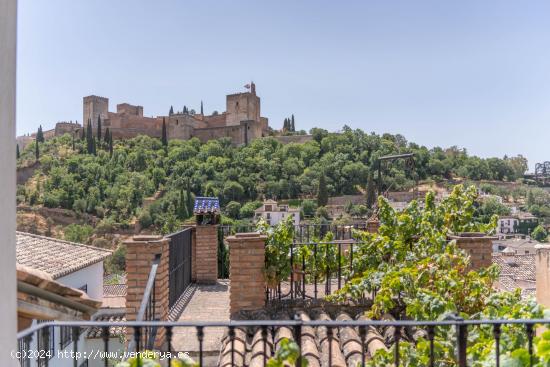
(274, 213)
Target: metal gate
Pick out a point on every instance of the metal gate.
(180, 263)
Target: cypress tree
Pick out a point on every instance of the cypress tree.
(202, 109)
(40, 135)
(73, 142)
(110, 144)
(285, 124)
(107, 136)
(182, 206)
(371, 191)
(89, 138)
(36, 150)
(82, 133)
(98, 129)
(171, 112)
(94, 148)
(164, 136)
(189, 197)
(17, 154)
(322, 193)
(292, 127)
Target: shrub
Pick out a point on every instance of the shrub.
(232, 209)
(247, 210)
(78, 233)
(145, 219)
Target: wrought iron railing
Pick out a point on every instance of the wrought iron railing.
(180, 263)
(299, 329)
(303, 232)
(147, 312)
(315, 270)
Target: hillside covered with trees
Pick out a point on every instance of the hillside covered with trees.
(111, 179)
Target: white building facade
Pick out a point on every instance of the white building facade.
(274, 213)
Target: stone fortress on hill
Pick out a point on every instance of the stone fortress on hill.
(241, 121)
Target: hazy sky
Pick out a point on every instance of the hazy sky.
(470, 73)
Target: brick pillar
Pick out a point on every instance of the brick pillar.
(246, 272)
(206, 254)
(542, 277)
(373, 224)
(140, 253)
(478, 245)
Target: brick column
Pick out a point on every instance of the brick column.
(141, 251)
(478, 245)
(246, 272)
(206, 254)
(373, 224)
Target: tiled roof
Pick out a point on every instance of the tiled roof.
(206, 205)
(114, 290)
(516, 271)
(114, 331)
(44, 281)
(56, 257)
(344, 345)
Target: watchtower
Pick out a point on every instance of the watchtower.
(95, 106)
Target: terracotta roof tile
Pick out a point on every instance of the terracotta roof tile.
(56, 257)
(516, 271)
(342, 346)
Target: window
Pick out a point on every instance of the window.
(65, 336)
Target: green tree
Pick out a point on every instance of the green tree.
(292, 126)
(322, 192)
(17, 153)
(183, 212)
(89, 138)
(171, 112)
(110, 144)
(98, 128)
(78, 233)
(190, 199)
(36, 150)
(40, 135)
(309, 207)
(164, 135)
(202, 109)
(540, 234)
(232, 209)
(247, 210)
(371, 191)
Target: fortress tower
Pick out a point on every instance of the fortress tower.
(95, 106)
(243, 107)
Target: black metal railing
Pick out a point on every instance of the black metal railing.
(456, 331)
(180, 263)
(303, 232)
(147, 312)
(314, 270)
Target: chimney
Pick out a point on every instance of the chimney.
(542, 274)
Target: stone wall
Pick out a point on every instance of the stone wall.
(299, 139)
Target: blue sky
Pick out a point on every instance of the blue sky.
(470, 73)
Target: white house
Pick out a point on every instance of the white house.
(507, 225)
(77, 266)
(273, 213)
